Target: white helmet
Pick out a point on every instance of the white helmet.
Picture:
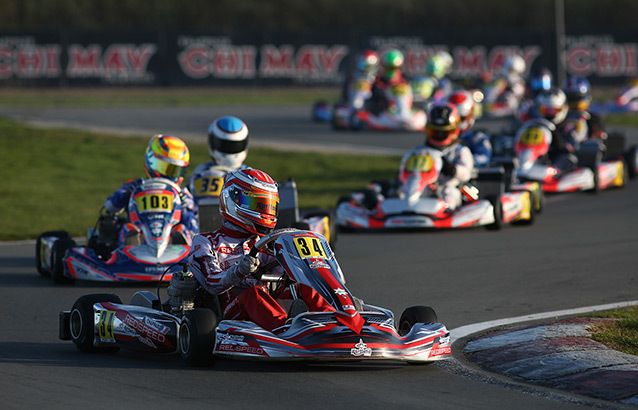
(228, 141)
(513, 65)
(552, 105)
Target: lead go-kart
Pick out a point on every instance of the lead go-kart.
(154, 208)
(207, 188)
(353, 331)
(414, 201)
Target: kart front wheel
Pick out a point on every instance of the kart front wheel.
(498, 214)
(39, 243)
(57, 260)
(82, 322)
(196, 338)
(413, 315)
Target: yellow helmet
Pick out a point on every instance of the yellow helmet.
(166, 157)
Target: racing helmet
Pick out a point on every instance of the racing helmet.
(368, 62)
(540, 79)
(578, 92)
(466, 107)
(436, 66)
(391, 62)
(250, 199)
(443, 126)
(513, 65)
(552, 105)
(448, 61)
(228, 141)
(166, 157)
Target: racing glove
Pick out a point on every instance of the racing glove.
(247, 266)
(448, 168)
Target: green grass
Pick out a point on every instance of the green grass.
(58, 179)
(620, 334)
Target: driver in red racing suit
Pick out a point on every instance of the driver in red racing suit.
(221, 264)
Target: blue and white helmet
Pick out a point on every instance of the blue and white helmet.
(228, 141)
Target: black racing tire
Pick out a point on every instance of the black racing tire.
(596, 189)
(532, 212)
(498, 214)
(540, 200)
(196, 338)
(414, 315)
(57, 260)
(38, 249)
(82, 322)
(631, 160)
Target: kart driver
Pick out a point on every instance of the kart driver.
(567, 134)
(227, 146)
(221, 263)
(166, 157)
(389, 76)
(442, 133)
(477, 141)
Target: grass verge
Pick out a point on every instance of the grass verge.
(620, 334)
(58, 179)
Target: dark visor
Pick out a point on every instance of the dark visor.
(229, 147)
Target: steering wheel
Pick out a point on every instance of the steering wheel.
(261, 244)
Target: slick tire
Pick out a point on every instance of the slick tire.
(631, 158)
(196, 338)
(57, 260)
(38, 249)
(498, 214)
(413, 315)
(82, 322)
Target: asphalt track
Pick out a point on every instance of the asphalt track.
(580, 252)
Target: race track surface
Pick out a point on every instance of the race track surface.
(580, 252)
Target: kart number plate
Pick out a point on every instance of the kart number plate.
(105, 325)
(532, 136)
(419, 163)
(309, 247)
(208, 186)
(154, 202)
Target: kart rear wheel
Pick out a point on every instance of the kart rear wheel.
(413, 315)
(498, 214)
(196, 338)
(38, 249)
(82, 322)
(57, 260)
(631, 159)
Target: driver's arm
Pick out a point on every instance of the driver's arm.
(207, 266)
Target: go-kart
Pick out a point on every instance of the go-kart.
(351, 331)
(626, 101)
(358, 90)
(587, 170)
(208, 185)
(414, 201)
(154, 209)
(400, 115)
(498, 100)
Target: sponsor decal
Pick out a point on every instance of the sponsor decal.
(340, 292)
(144, 329)
(440, 351)
(318, 263)
(444, 340)
(235, 348)
(226, 338)
(156, 325)
(348, 307)
(227, 250)
(361, 349)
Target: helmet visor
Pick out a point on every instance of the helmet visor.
(164, 168)
(264, 203)
(229, 147)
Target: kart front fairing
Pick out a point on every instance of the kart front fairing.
(347, 333)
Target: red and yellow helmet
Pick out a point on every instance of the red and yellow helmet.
(250, 199)
(166, 157)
